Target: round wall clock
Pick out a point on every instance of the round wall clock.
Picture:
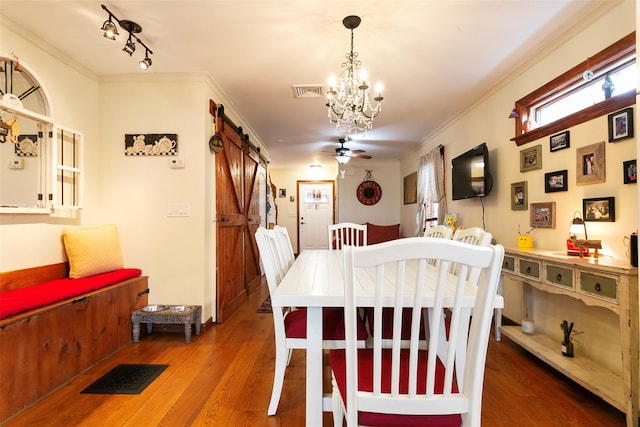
(369, 193)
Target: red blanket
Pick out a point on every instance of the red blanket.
(25, 299)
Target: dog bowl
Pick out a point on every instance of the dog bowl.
(154, 308)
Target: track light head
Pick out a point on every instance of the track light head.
(110, 29)
(146, 62)
(129, 47)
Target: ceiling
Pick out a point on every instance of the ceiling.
(434, 58)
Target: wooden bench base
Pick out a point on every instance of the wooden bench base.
(45, 348)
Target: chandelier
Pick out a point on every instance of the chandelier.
(348, 98)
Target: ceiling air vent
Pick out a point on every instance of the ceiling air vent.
(307, 91)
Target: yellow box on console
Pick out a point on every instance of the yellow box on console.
(525, 241)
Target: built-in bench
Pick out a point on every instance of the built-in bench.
(53, 328)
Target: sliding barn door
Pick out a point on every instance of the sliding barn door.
(238, 217)
(252, 177)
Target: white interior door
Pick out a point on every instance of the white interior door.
(315, 213)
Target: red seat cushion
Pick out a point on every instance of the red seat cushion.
(295, 324)
(365, 383)
(30, 297)
(387, 323)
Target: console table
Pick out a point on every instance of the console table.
(602, 282)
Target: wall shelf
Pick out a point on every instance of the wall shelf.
(589, 374)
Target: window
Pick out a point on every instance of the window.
(45, 172)
(569, 99)
(67, 158)
(431, 194)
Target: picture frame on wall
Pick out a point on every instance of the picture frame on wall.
(555, 181)
(519, 200)
(599, 209)
(621, 125)
(411, 188)
(531, 158)
(559, 141)
(543, 215)
(630, 171)
(590, 164)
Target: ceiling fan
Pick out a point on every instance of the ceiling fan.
(344, 154)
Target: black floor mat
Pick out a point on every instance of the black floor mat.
(125, 379)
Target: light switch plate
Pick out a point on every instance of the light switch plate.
(15, 163)
(179, 209)
(176, 163)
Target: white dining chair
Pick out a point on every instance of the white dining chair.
(439, 231)
(290, 326)
(284, 245)
(480, 237)
(347, 233)
(381, 386)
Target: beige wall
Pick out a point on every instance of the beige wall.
(487, 122)
(347, 206)
(178, 254)
(31, 240)
(287, 179)
(385, 212)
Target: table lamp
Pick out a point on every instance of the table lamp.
(578, 242)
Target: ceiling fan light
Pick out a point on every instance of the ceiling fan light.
(342, 159)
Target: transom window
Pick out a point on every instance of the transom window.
(578, 95)
(620, 80)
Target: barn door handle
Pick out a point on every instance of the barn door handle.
(224, 219)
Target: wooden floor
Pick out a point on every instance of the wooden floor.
(224, 378)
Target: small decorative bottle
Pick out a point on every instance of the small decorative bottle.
(567, 345)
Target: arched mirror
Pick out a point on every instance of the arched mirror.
(40, 163)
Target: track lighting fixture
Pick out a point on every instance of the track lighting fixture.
(111, 31)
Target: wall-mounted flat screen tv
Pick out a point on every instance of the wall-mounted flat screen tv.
(470, 176)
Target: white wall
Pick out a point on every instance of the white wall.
(487, 122)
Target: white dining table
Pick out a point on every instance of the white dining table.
(316, 280)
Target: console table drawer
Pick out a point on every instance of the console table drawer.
(559, 276)
(509, 263)
(529, 268)
(596, 284)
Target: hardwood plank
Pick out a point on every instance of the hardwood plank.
(224, 377)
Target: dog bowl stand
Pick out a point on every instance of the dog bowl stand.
(192, 314)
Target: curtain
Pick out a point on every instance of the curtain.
(430, 187)
(440, 194)
(423, 178)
